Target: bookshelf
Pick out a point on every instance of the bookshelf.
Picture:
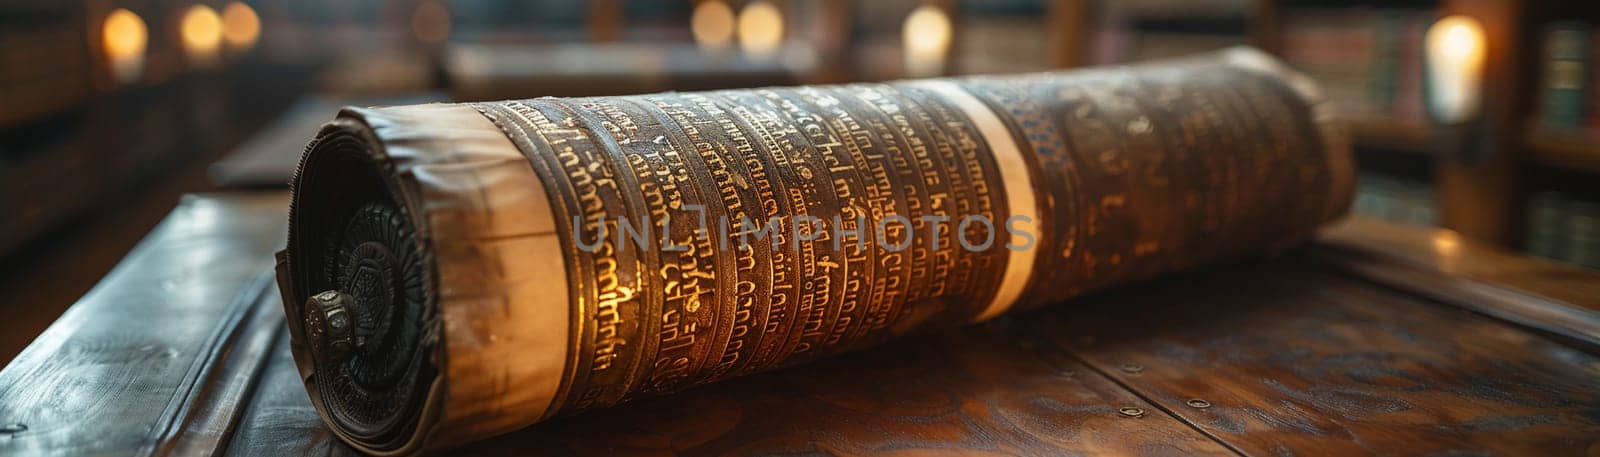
(1526, 160)
(1368, 54)
(1481, 197)
(1576, 151)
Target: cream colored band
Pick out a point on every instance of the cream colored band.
(1017, 183)
(502, 280)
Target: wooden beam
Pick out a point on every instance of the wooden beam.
(1480, 193)
(1265, 26)
(1071, 32)
(605, 20)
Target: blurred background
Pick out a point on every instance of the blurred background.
(110, 110)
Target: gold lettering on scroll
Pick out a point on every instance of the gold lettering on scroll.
(814, 302)
(582, 172)
(823, 178)
(936, 227)
(688, 280)
(587, 176)
(957, 144)
(744, 293)
(839, 132)
(932, 176)
(607, 318)
(745, 289)
(619, 124)
(689, 275)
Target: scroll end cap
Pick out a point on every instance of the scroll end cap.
(329, 327)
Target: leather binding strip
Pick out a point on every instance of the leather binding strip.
(458, 271)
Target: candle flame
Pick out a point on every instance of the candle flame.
(760, 28)
(926, 37)
(712, 24)
(1456, 49)
(124, 34)
(124, 37)
(201, 31)
(241, 27)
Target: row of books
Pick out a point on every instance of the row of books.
(1396, 200)
(1368, 59)
(1567, 99)
(1560, 226)
(1564, 228)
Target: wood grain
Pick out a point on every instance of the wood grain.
(982, 390)
(126, 370)
(1305, 360)
(1446, 253)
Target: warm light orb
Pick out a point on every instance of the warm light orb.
(712, 24)
(926, 40)
(1447, 245)
(201, 31)
(1459, 38)
(760, 28)
(430, 22)
(241, 27)
(1456, 49)
(124, 37)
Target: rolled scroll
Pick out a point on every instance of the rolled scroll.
(457, 271)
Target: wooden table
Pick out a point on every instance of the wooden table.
(1377, 339)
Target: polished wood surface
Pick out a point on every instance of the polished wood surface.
(1317, 362)
(1320, 351)
(1447, 253)
(135, 366)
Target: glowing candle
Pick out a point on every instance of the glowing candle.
(124, 37)
(712, 25)
(241, 27)
(201, 31)
(926, 41)
(1455, 50)
(760, 29)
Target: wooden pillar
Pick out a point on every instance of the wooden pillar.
(833, 33)
(1071, 32)
(604, 20)
(1265, 30)
(1478, 186)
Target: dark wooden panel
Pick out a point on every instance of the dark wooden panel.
(1478, 184)
(1288, 357)
(127, 369)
